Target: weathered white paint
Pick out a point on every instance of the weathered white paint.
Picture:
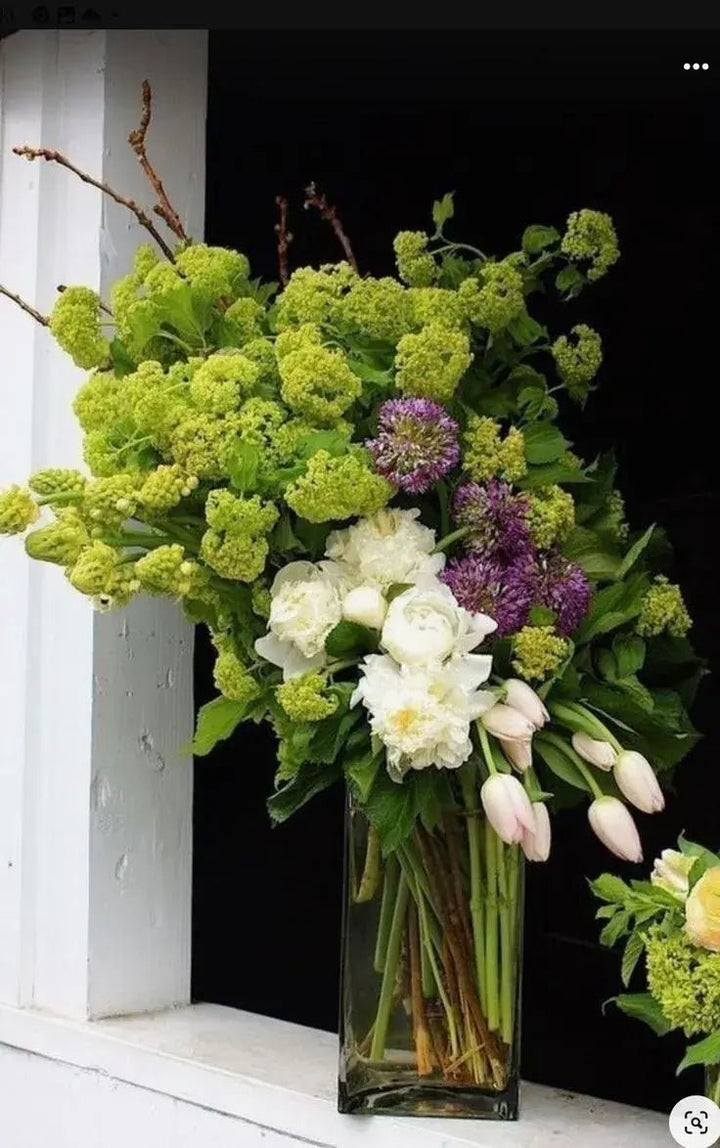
(95, 801)
(218, 1077)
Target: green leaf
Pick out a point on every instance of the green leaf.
(616, 927)
(704, 858)
(598, 557)
(629, 653)
(215, 722)
(391, 809)
(559, 763)
(569, 282)
(349, 638)
(311, 778)
(544, 442)
(612, 607)
(122, 361)
(642, 730)
(644, 1007)
(706, 1051)
(368, 373)
(524, 330)
(631, 956)
(332, 733)
(283, 537)
(608, 887)
(243, 465)
(634, 552)
(554, 472)
(395, 589)
(442, 210)
(361, 772)
(542, 616)
(334, 442)
(144, 323)
(313, 536)
(536, 237)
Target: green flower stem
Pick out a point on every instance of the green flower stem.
(335, 667)
(477, 905)
(454, 536)
(371, 870)
(397, 927)
(577, 718)
(514, 892)
(486, 748)
(583, 767)
(62, 498)
(492, 987)
(137, 539)
(413, 867)
(459, 247)
(507, 956)
(390, 884)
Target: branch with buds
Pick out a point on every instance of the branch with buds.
(328, 211)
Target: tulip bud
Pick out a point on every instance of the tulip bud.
(612, 822)
(506, 722)
(637, 782)
(365, 605)
(507, 807)
(518, 753)
(599, 753)
(522, 697)
(671, 871)
(702, 911)
(536, 842)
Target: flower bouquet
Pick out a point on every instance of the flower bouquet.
(359, 485)
(673, 920)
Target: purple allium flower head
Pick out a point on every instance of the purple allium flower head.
(416, 444)
(497, 519)
(563, 586)
(485, 586)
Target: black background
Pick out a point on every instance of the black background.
(524, 127)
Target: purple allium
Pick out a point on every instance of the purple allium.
(416, 444)
(497, 519)
(485, 586)
(563, 586)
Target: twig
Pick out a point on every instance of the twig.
(328, 211)
(53, 156)
(42, 319)
(136, 139)
(285, 238)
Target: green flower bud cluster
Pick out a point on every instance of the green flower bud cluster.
(94, 569)
(246, 316)
(167, 570)
(416, 266)
(550, 516)
(496, 300)
(305, 698)
(436, 305)
(590, 238)
(75, 324)
(311, 295)
(61, 541)
(57, 480)
(432, 362)
(685, 981)
(165, 487)
(236, 545)
(223, 381)
(338, 488)
(579, 361)
(261, 599)
(18, 510)
(377, 307)
(98, 403)
(538, 652)
(488, 455)
(318, 384)
(663, 611)
(202, 444)
(232, 676)
(217, 271)
(108, 502)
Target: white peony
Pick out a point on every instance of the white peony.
(423, 715)
(306, 605)
(426, 624)
(388, 547)
(366, 605)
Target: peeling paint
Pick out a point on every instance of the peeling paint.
(122, 867)
(155, 759)
(100, 792)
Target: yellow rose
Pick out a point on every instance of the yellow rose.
(702, 911)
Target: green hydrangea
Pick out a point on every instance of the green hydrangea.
(496, 300)
(202, 444)
(297, 339)
(246, 316)
(57, 480)
(432, 362)
(261, 599)
(311, 294)
(486, 454)
(260, 418)
(416, 266)
(223, 381)
(550, 516)
(216, 271)
(338, 488)
(538, 652)
(436, 305)
(512, 463)
(377, 307)
(233, 678)
(61, 541)
(18, 510)
(261, 352)
(590, 238)
(98, 402)
(318, 384)
(663, 611)
(75, 324)
(685, 981)
(614, 516)
(165, 487)
(578, 361)
(305, 698)
(110, 501)
(236, 545)
(159, 400)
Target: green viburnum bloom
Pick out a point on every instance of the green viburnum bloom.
(685, 981)
(92, 572)
(60, 541)
(57, 480)
(167, 570)
(416, 266)
(305, 699)
(377, 307)
(590, 238)
(318, 384)
(311, 295)
(261, 599)
(537, 652)
(165, 487)
(261, 352)
(432, 362)
(496, 300)
(550, 516)
(338, 488)
(246, 316)
(18, 510)
(202, 444)
(75, 324)
(235, 545)
(110, 501)
(216, 271)
(487, 455)
(578, 361)
(436, 305)
(99, 401)
(223, 381)
(663, 611)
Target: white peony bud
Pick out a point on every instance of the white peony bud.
(612, 822)
(637, 782)
(518, 753)
(507, 807)
(536, 841)
(522, 697)
(599, 753)
(506, 722)
(365, 605)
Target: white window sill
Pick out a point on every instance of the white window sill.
(278, 1076)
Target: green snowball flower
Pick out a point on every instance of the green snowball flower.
(338, 488)
(261, 352)
(297, 339)
(223, 381)
(590, 238)
(537, 652)
(202, 444)
(75, 323)
(98, 403)
(377, 307)
(60, 541)
(436, 305)
(497, 299)
(685, 981)
(92, 572)
(416, 266)
(57, 480)
(578, 361)
(233, 678)
(246, 316)
(550, 516)
(110, 501)
(235, 545)
(304, 698)
(318, 384)
(18, 510)
(261, 599)
(217, 271)
(311, 294)
(663, 611)
(165, 487)
(432, 362)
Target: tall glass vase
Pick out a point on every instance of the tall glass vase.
(430, 999)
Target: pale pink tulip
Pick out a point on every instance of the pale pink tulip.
(507, 807)
(506, 722)
(536, 842)
(612, 822)
(599, 753)
(637, 782)
(522, 697)
(518, 753)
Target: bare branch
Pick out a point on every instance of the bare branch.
(136, 139)
(328, 212)
(285, 238)
(42, 319)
